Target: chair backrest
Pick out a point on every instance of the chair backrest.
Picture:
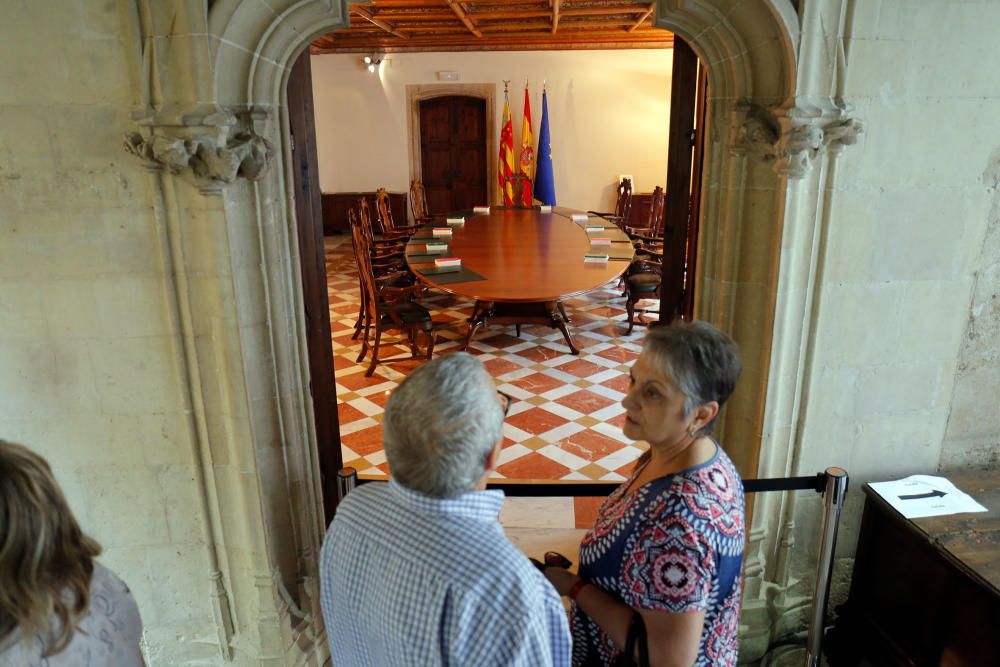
(362, 256)
(656, 212)
(418, 201)
(384, 211)
(365, 221)
(520, 188)
(623, 205)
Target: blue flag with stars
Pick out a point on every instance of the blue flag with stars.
(545, 185)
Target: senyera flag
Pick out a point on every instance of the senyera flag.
(526, 163)
(505, 167)
(545, 184)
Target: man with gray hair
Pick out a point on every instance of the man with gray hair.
(418, 571)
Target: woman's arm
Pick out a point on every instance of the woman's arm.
(673, 638)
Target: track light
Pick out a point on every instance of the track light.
(373, 61)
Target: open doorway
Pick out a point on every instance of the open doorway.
(568, 423)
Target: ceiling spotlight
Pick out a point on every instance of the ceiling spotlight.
(373, 61)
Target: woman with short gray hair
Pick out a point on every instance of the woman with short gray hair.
(666, 550)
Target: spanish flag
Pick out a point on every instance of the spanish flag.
(527, 161)
(505, 167)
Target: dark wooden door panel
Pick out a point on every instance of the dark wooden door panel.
(309, 222)
(453, 152)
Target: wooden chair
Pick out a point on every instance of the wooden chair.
(378, 242)
(387, 307)
(386, 224)
(650, 236)
(418, 204)
(519, 183)
(623, 205)
(642, 281)
(384, 261)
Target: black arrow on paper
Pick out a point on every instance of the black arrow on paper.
(921, 496)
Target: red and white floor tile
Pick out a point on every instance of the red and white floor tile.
(566, 421)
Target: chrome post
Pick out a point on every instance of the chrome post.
(833, 502)
(347, 479)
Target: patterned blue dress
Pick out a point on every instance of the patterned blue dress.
(673, 544)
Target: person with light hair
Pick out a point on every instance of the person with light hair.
(418, 571)
(58, 605)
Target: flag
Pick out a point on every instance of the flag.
(545, 184)
(505, 167)
(527, 161)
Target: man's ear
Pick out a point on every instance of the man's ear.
(493, 458)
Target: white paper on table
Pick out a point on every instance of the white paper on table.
(480, 209)
(544, 208)
(925, 495)
(580, 217)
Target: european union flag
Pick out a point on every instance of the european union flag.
(545, 185)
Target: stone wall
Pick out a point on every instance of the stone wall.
(90, 359)
(903, 376)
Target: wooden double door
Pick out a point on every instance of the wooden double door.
(453, 152)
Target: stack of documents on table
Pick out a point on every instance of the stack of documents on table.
(595, 258)
(481, 209)
(436, 247)
(544, 208)
(442, 231)
(580, 217)
(600, 240)
(924, 495)
(456, 221)
(451, 263)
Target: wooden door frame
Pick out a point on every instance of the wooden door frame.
(417, 93)
(679, 225)
(312, 253)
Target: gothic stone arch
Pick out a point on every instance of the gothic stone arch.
(210, 81)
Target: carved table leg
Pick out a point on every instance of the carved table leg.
(558, 322)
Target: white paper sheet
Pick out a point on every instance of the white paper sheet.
(924, 495)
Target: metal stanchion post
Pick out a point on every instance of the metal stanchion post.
(347, 479)
(833, 503)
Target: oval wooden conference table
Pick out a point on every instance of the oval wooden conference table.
(520, 264)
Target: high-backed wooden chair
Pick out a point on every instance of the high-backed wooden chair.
(388, 308)
(384, 261)
(519, 185)
(418, 204)
(623, 204)
(652, 234)
(379, 242)
(642, 281)
(386, 223)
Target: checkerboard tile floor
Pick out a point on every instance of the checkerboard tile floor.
(566, 421)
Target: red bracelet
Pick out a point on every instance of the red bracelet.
(576, 588)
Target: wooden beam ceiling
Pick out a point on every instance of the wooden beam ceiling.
(495, 25)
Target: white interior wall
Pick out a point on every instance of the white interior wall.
(608, 115)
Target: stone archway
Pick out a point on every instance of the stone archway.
(210, 84)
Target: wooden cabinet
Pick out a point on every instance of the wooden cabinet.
(924, 591)
(336, 205)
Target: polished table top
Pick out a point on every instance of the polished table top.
(525, 256)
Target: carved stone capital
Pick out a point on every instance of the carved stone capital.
(215, 154)
(790, 140)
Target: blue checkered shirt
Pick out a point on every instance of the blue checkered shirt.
(410, 580)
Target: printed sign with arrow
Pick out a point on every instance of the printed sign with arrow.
(925, 495)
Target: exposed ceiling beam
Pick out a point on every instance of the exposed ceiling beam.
(460, 13)
(388, 27)
(555, 15)
(652, 8)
